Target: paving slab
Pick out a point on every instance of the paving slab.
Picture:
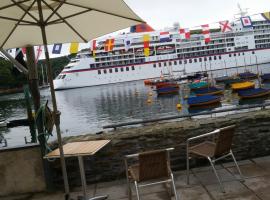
(240, 163)
(248, 171)
(208, 177)
(181, 180)
(206, 168)
(233, 190)
(263, 162)
(196, 192)
(260, 186)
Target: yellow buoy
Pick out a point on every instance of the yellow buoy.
(186, 97)
(178, 106)
(149, 101)
(150, 93)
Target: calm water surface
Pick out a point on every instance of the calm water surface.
(86, 110)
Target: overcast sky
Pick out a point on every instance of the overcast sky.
(188, 13)
(191, 13)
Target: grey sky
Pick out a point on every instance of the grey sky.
(190, 13)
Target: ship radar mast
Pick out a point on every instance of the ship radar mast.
(242, 12)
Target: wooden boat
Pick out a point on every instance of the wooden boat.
(167, 84)
(242, 85)
(247, 75)
(265, 77)
(208, 91)
(198, 85)
(167, 90)
(203, 100)
(253, 93)
(232, 80)
(222, 79)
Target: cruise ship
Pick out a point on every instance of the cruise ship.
(239, 47)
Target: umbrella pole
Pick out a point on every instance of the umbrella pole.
(56, 113)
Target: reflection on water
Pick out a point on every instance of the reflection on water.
(86, 110)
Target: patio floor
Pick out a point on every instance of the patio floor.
(203, 185)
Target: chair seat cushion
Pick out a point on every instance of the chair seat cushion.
(205, 149)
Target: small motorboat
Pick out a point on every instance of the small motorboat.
(208, 91)
(247, 75)
(253, 93)
(265, 77)
(203, 100)
(198, 85)
(242, 85)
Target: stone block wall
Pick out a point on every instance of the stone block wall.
(21, 170)
(251, 139)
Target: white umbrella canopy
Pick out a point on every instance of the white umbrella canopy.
(73, 21)
(42, 22)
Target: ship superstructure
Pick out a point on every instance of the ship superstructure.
(240, 47)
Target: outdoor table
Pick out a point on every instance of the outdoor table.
(80, 149)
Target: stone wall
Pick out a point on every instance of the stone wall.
(252, 139)
(21, 170)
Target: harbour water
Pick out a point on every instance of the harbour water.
(86, 110)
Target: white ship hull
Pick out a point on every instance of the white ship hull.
(87, 77)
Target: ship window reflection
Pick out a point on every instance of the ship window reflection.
(127, 68)
(165, 64)
(132, 67)
(99, 72)
(122, 69)
(159, 64)
(175, 63)
(105, 71)
(154, 65)
(110, 70)
(180, 62)
(116, 69)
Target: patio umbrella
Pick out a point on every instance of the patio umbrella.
(42, 22)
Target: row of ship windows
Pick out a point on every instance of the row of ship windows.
(115, 70)
(196, 60)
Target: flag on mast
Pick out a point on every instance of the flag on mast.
(93, 47)
(164, 37)
(127, 42)
(146, 41)
(206, 33)
(74, 47)
(39, 51)
(225, 26)
(246, 22)
(184, 33)
(57, 48)
(266, 16)
(109, 44)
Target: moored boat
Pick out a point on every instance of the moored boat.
(242, 85)
(247, 75)
(253, 93)
(198, 85)
(208, 91)
(265, 77)
(203, 100)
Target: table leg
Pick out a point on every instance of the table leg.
(82, 173)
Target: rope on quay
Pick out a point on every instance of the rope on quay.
(114, 126)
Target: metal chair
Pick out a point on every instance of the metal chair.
(150, 166)
(215, 150)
